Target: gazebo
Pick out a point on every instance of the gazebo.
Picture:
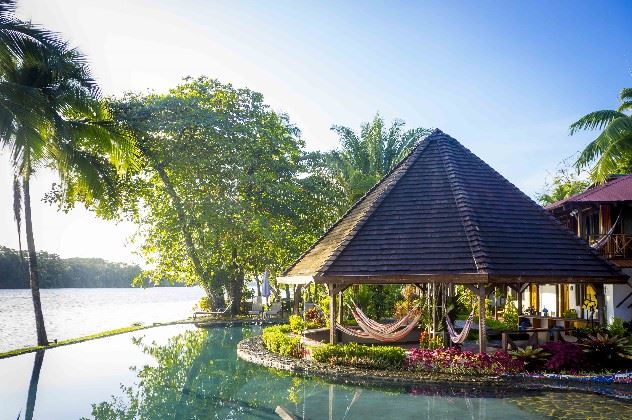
(442, 215)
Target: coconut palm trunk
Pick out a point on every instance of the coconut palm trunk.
(42, 339)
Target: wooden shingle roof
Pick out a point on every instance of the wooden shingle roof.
(443, 214)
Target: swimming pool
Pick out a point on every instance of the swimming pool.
(181, 371)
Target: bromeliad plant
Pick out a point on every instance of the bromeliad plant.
(532, 357)
(608, 351)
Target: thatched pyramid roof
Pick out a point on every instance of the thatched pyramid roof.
(445, 215)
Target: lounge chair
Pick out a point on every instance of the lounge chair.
(256, 309)
(214, 313)
(274, 310)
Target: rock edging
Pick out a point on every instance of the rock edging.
(253, 350)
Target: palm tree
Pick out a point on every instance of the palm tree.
(366, 157)
(612, 149)
(57, 122)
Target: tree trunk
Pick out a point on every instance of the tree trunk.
(214, 292)
(42, 339)
(236, 284)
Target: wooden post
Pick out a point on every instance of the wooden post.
(333, 338)
(482, 335)
(297, 299)
(520, 290)
(601, 303)
(340, 307)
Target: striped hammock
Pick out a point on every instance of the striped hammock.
(459, 338)
(387, 333)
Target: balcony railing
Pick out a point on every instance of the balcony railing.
(617, 245)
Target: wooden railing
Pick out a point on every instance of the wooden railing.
(617, 245)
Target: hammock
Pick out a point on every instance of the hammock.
(387, 337)
(376, 326)
(604, 239)
(459, 338)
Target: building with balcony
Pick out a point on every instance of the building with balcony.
(602, 216)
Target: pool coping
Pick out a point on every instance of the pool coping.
(253, 350)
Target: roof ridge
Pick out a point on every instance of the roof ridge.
(336, 251)
(402, 166)
(466, 214)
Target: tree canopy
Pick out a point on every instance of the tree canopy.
(365, 157)
(225, 190)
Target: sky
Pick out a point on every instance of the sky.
(506, 79)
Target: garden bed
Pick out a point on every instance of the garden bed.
(253, 350)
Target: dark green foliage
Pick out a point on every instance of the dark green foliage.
(72, 272)
(533, 357)
(607, 351)
(359, 355)
(277, 340)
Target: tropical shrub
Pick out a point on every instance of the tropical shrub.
(616, 327)
(297, 325)
(533, 358)
(277, 340)
(607, 351)
(570, 313)
(565, 357)
(314, 318)
(510, 314)
(359, 355)
(426, 341)
(205, 304)
(455, 361)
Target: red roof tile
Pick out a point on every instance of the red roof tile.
(617, 190)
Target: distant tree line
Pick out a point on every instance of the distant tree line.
(59, 272)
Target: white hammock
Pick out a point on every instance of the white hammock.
(459, 338)
(383, 336)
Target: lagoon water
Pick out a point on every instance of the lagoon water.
(70, 313)
(183, 372)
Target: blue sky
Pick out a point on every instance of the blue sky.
(504, 78)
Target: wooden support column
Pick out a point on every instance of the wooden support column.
(340, 307)
(333, 336)
(601, 303)
(520, 290)
(297, 299)
(482, 335)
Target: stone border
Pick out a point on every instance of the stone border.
(253, 350)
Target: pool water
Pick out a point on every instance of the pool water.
(181, 371)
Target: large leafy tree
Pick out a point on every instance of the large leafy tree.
(611, 151)
(225, 191)
(51, 117)
(365, 157)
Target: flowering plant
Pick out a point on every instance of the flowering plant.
(454, 361)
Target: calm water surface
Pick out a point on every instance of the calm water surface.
(184, 372)
(72, 313)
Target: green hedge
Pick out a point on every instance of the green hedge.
(277, 340)
(358, 355)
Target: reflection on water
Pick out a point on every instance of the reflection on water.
(183, 372)
(197, 375)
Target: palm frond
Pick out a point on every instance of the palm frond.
(595, 120)
(626, 94)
